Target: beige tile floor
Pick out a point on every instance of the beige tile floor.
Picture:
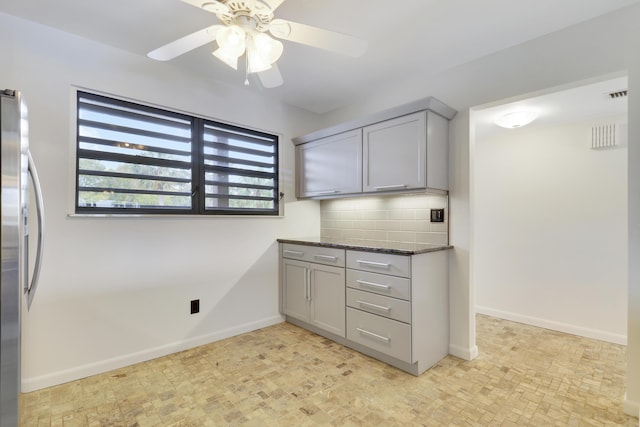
(286, 376)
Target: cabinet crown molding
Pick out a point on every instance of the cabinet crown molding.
(430, 103)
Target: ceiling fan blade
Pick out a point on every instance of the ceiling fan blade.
(185, 44)
(212, 6)
(273, 4)
(317, 37)
(271, 77)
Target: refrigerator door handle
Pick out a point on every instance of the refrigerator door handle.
(31, 290)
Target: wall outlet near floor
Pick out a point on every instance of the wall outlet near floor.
(437, 215)
(195, 306)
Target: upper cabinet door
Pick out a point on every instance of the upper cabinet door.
(330, 166)
(395, 154)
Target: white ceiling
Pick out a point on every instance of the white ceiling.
(406, 37)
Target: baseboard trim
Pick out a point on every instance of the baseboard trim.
(60, 377)
(630, 407)
(463, 353)
(555, 326)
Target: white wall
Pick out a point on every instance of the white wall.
(550, 230)
(114, 291)
(600, 47)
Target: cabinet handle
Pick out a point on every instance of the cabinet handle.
(374, 264)
(308, 283)
(371, 334)
(327, 257)
(295, 253)
(377, 307)
(375, 285)
(390, 187)
(320, 193)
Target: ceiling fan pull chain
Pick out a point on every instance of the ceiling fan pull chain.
(246, 70)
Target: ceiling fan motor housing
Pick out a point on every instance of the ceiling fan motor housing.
(259, 14)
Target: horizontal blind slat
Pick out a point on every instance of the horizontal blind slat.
(132, 131)
(123, 158)
(140, 147)
(133, 176)
(180, 124)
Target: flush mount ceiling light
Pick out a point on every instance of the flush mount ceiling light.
(516, 119)
(244, 28)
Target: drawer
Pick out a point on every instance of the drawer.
(396, 265)
(379, 333)
(317, 254)
(392, 308)
(393, 286)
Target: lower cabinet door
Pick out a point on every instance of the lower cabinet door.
(380, 333)
(295, 301)
(328, 298)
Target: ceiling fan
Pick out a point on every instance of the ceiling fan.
(245, 28)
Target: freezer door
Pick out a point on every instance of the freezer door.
(10, 287)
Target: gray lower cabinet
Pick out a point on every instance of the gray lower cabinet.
(391, 307)
(314, 292)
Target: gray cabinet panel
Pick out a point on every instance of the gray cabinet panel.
(379, 333)
(315, 254)
(314, 293)
(295, 301)
(392, 308)
(395, 154)
(330, 166)
(397, 287)
(328, 299)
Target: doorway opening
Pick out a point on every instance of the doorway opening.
(548, 201)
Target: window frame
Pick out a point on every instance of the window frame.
(197, 165)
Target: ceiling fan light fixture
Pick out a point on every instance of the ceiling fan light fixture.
(269, 49)
(232, 40)
(255, 62)
(230, 60)
(516, 119)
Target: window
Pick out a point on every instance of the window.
(138, 159)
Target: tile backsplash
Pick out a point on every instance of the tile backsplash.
(399, 221)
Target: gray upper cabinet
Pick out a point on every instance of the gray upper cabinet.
(405, 153)
(395, 154)
(331, 165)
(401, 149)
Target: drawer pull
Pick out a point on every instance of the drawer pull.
(294, 253)
(390, 187)
(321, 193)
(374, 264)
(371, 334)
(375, 306)
(373, 284)
(327, 257)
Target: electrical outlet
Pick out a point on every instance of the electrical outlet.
(195, 306)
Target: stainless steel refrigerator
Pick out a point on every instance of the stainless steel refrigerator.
(17, 283)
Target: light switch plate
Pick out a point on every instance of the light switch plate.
(437, 215)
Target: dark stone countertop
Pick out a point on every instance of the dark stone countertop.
(406, 249)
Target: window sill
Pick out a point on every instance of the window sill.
(177, 216)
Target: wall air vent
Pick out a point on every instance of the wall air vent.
(604, 136)
(618, 94)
